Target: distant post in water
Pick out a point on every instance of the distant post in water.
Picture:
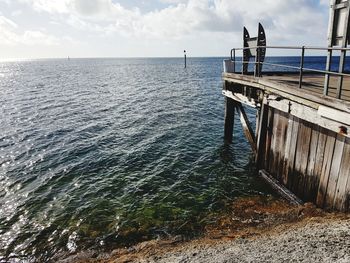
(185, 58)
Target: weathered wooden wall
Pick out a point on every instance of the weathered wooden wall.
(311, 161)
(302, 138)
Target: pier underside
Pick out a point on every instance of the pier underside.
(302, 137)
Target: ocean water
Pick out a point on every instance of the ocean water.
(101, 153)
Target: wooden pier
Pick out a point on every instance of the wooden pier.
(302, 135)
(302, 139)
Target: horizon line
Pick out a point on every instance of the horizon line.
(136, 57)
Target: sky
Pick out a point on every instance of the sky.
(153, 28)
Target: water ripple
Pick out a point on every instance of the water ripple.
(98, 153)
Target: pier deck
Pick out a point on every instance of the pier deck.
(312, 82)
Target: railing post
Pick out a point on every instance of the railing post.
(328, 68)
(301, 66)
(259, 62)
(234, 60)
(243, 64)
(341, 70)
(257, 59)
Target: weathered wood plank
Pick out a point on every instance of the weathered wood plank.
(287, 150)
(335, 115)
(301, 157)
(334, 172)
(272, 169)
(311, 184)
(321, 147)
(342, 193)
(248, 131)
(326, 168)
(292, 152)
(309, 114)
(239, 98)
(268, 137)
(281, 143)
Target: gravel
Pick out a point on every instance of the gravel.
(255, 229)
(312, 242)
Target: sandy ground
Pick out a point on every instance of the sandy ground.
(255, 231)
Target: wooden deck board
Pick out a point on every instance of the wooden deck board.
(313, 84)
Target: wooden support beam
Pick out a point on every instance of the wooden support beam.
(239, 98)
(331, 119)
(261, 135)
(334, 114)
(248, 131)
(282, 190)
(229, 119)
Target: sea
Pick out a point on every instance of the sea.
(97, 154)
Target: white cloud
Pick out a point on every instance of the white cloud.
(9, 35)
(89, 9)
(5, 22)
(201, 24)
(54, 6)
(286, 19)
(5, 1)
(38, 38)
(173, 1)
(17, 13)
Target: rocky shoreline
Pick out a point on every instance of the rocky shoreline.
(254, 231)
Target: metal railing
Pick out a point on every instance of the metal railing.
(301, 69)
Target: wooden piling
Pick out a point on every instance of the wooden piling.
(229, 119)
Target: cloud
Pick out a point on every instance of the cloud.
(190, 16)
(173, 1)
(7, 27)
(38, 38)
(17, 13)
(54, 6)
(286, 22)
(9, 35)
(91, 9)
(5, 22)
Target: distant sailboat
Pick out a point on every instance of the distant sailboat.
(68, 58)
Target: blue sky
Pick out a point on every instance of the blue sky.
(132, 28)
